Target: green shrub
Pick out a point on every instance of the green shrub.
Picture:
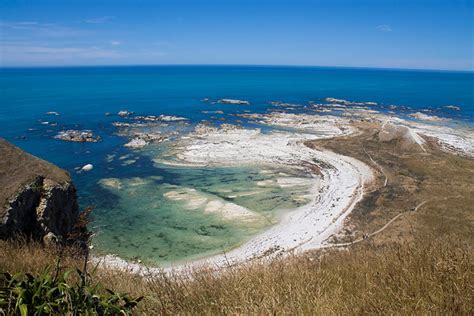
(67, 293)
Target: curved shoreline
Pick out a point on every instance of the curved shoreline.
(340, 186)
(342, 178)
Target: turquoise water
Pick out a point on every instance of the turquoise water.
(135, 215)
(164, 219)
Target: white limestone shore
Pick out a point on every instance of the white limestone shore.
(338, 185)
(339, 181)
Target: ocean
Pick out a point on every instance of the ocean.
(136, 220)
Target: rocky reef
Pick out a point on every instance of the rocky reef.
(232, 101)
(140, 140)
(37, 199)
(71, 135)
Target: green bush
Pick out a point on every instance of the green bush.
(67, 293)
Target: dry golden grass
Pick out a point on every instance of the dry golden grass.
(429, 274)
(445, 181)
(33, 257)
(422, 264)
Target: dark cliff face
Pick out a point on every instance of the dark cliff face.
(37, 199)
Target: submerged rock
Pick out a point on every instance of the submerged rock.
(37, 199)
(213, 112)
(160, 118)
(283, 104)
(192, 199)
(370, 103)
(170, 118)
(52, 113)
(345, 102)
(452, 107)
(121, 124)
(111, 182)
(85, 136)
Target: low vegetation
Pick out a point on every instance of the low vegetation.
(429, 274)
(421, 264)
(58, 293)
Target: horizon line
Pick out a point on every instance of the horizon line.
(228, 65)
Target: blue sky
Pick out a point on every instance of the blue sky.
(391, 34)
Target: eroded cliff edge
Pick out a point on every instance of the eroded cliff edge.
(37, 199)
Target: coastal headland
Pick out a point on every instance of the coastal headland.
(345, 158)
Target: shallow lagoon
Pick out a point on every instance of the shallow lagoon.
(191, 212)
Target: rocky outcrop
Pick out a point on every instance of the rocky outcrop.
(402, 136)
(37, 199)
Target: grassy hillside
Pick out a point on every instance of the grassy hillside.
(427, 274)
(422, 263)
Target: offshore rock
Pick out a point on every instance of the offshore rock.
(87, 167)
(124, 113)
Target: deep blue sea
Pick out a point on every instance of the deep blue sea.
(136, 223)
